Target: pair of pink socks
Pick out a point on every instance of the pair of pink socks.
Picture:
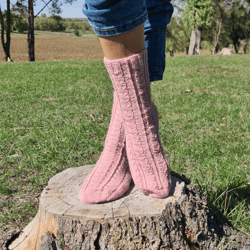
(132, 146)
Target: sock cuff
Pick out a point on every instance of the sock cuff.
(138, 59)
(144, 51)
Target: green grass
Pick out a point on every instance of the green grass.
(55, 115)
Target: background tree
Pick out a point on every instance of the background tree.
(237, 26)
(52, 23)
(20, 7)
(41, 23)
(56, 23)
(247, 25)
(218, 23)
(6, 46)
(219, 17)
(26, 8)
(31, 36)
(20, 23)
(19, 12)
(196, 16)
(176, 38)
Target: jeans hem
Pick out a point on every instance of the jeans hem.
(156, 77)
(121, 29)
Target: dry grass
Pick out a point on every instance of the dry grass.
(48, 48)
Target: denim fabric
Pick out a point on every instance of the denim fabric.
(159, 15)
(114, 17)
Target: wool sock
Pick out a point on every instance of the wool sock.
(110, 178)
(148, 165)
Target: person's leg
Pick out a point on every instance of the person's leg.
(123, 45)
(112, 167)
(111, 178)
(147, 163)
(159, 15)
(126, 61)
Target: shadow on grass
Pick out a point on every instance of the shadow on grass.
(231, 204)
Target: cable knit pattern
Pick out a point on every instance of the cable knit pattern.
(147, 162)
(110, 178)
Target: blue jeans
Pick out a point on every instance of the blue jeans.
(114, 17)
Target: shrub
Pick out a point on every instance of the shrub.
(76, 32)
(21, 25)
(206, 45)
(86, 26)
(53, 23)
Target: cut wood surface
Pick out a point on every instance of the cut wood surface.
(135, 221)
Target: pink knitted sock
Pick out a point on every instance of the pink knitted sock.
(110, 178)
(147, 162)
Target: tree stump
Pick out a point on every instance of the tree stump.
(135, 221)
(226, 52)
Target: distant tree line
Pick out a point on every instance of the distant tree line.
(57, 23)
(19, 23)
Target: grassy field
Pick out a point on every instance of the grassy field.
(55, 115)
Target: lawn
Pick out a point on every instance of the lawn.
(55, 115)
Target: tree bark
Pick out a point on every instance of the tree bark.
(222, 8)
(195, 40)
(8, 32)
(246, 45)
(236, 43)
(31, 38)
(217, 35)
(135, 221)
(6, 46)
(247, 31)
(2, 30)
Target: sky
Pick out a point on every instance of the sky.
(68, 11)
